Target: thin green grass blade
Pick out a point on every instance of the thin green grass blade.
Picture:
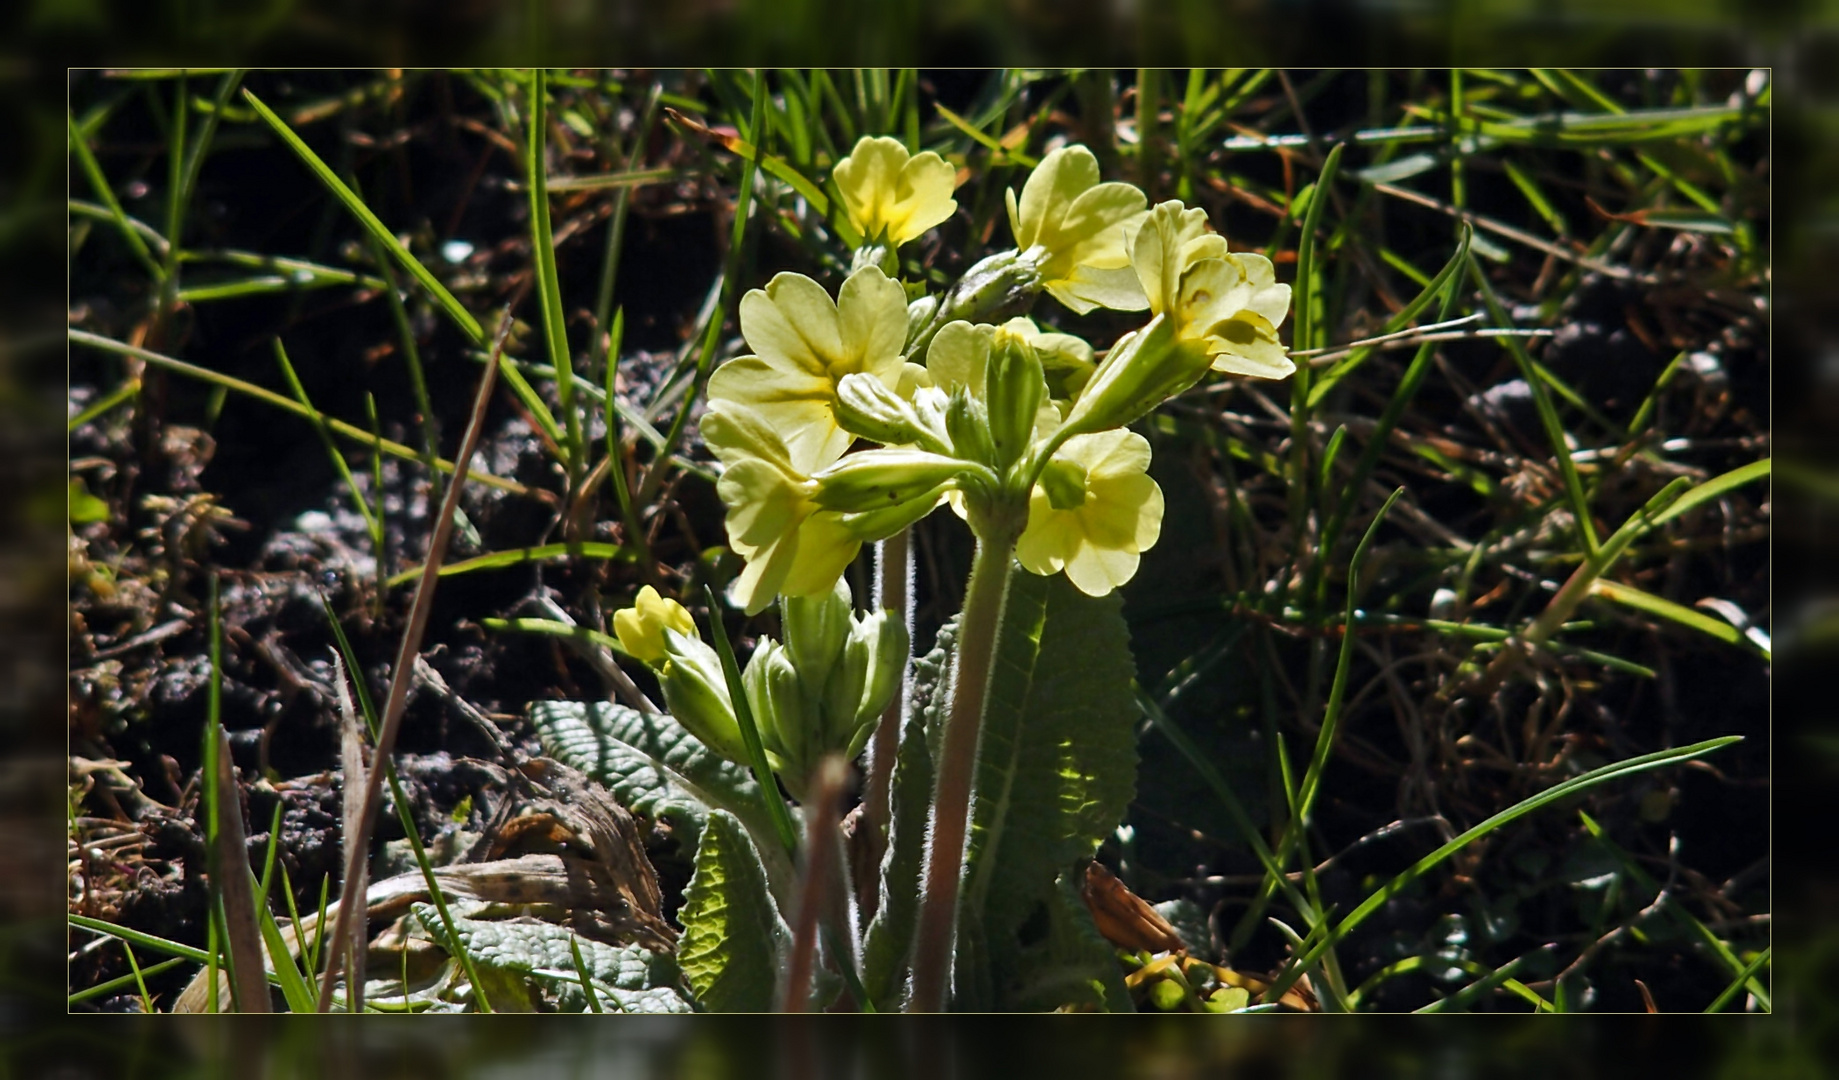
(1393, 325)
(1234, 808)
(1548, 414)
(552, 628)
(325, 437)
(136, 978)
(343, 429)
(750, 732)
(1575, 785)
(125, 392)
(1337, 692)
(549, 289)
(1747, 975)
(1629, 596)
(582, 549)
(159, 944)
(447, 301)
(98, 181)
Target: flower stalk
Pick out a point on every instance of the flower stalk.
(980, 628)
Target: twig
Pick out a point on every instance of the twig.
(402, 673)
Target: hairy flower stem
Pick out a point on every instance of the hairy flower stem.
(893, 592)
(985, 597)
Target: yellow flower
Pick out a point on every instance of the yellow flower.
(1074, 228)
(1094, 511)
(890, 196)
(1228, 302)
(641, 627)
(791, 545)
(804, 344)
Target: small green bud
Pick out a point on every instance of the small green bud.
(884, 637)
(780, 705)
(696, 692)
(756, 681)
(997, 287)
(969, 426)
(816, 628)
(1014, 388)
(866, 407)
(878, 479)
(920, 315)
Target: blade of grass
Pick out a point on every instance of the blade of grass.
(743, 201)
(1307, 298)
(402, 672)
(136, 979)
(1419, 369)
(1629, 596)
(98, 181)
(325, 437)
(1602, 774)
(750, 732)
(1747, 975)
(125, 392)
(548, 288)
(340, 427)
(587, 984)
(1548, 414)
(378, 231)
(571, 549)
(1396, 325)
(1337, 692)
(751, 155)
(1235, 809)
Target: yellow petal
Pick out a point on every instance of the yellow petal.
(1096, 571)
(792, 320)
(798, 407)
(872, 326)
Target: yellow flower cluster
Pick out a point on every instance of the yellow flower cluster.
(1019, 428)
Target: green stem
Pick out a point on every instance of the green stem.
(984, 599)
(893, 592)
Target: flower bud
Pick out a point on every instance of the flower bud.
(997, 287)
(1014, 389)
(778, 703)
(816, 628)
(866, 407)
(876, 479)
(640, 628)
(968, 424)
(920, 315)
(1141, 371)
(696, 692)
(882, 638)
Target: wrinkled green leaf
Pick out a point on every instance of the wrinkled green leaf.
(650, 763)
(627, 978)
(733, 935)
(1055, 773)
